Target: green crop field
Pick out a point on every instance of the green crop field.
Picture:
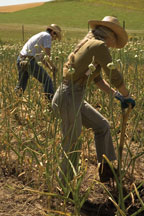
(72, 16)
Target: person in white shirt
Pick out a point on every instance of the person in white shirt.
(37, 48)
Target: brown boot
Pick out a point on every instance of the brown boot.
(105, 173)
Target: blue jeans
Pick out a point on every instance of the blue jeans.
(35, 70)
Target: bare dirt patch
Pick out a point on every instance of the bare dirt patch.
(14, 8)
(17, 197)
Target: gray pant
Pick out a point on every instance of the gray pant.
(69, 102)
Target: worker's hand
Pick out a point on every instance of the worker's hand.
(125, 101)
(54, 69)
(23, 64)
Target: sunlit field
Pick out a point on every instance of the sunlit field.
(30, 134)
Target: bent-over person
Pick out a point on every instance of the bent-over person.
(82, 68)
(38, 49)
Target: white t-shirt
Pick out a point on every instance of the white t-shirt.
(33, 46)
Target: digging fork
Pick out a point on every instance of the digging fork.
(125, 115)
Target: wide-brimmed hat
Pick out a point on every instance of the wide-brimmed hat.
(56, 29)
(113, 24)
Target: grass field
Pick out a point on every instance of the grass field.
(72, 16)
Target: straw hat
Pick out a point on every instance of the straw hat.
(56, 29)
(113, 24)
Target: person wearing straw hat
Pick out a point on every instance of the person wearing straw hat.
(35, 53)
(83, 67)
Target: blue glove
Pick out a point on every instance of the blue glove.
(124, 101)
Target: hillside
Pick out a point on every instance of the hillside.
(72, 16)
(14, 8)
(76, 13)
